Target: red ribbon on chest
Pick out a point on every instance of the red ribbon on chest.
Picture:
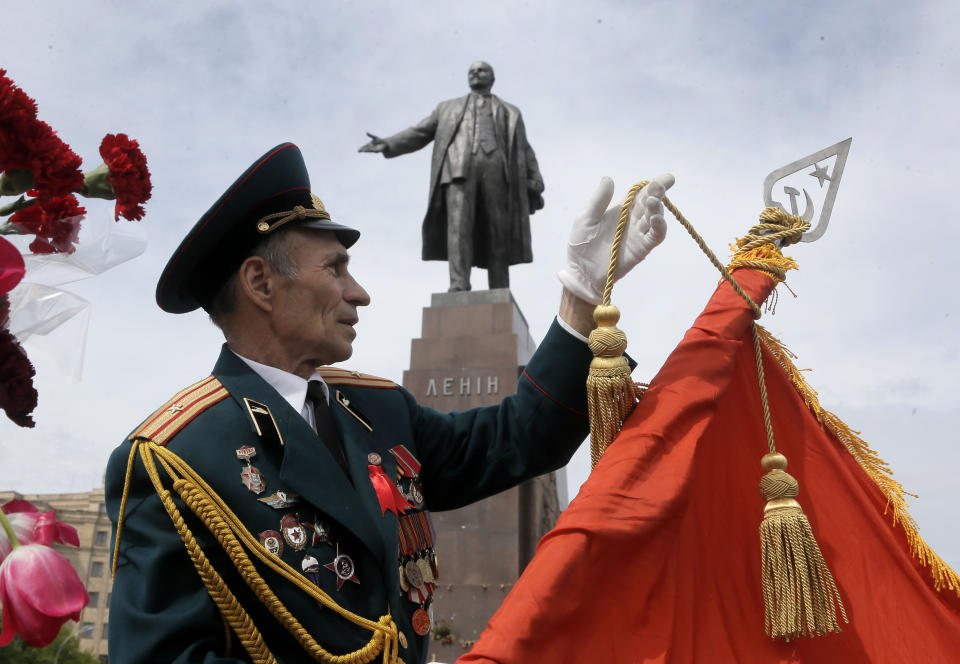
(387, 492)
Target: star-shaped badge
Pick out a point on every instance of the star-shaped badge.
(342, 565)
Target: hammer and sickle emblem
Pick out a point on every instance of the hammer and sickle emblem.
(808, 205)
(838, 150)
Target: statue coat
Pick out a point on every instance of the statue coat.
(451, 160)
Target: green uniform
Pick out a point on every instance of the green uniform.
(160, 609)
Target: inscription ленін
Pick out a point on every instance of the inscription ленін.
(450, 387)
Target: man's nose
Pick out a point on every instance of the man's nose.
(357, 294)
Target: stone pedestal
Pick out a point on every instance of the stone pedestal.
(473, 348)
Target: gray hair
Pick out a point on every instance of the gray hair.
(275, 251)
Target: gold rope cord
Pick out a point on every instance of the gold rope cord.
(225, 526)
(230, 609)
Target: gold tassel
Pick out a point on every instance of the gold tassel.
(611, 392)
(799, 594)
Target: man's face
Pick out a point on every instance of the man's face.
(315, 313)
(480, 76)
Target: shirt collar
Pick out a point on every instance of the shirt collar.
(290, 386)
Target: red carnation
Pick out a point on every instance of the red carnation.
(17, 394)
(129, 176)
(55, 222)
(18, 113)
(29, 144)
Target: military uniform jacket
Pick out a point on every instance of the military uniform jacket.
(160, 610)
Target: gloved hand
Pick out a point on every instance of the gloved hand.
(591, 238)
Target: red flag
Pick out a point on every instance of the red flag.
(658, 557)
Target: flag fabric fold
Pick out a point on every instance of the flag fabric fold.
(658, 557)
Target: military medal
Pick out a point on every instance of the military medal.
(414, 577)
(293, 532)
(342, 565)
(272, 542)
(421, 622)
(321, 533)
(252, 477)
(415, 495)
(311, 569)
(425, 571)
(279, 500)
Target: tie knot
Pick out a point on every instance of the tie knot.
(316, 393)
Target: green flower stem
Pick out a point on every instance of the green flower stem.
(17, 205)
(9, 530)
(10, 229)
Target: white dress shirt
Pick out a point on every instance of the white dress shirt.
(290, 386)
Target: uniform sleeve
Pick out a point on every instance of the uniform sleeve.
(474, 454)
(160, 610)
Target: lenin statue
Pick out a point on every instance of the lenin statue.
(484, 182)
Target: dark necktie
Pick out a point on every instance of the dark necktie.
(326, 428)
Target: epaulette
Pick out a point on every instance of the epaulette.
(180, 410)
(346, 377)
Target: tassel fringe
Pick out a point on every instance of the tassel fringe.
(611, 392)
(800, 597)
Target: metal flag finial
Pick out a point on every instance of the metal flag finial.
(819, 221)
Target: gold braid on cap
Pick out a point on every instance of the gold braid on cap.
(298, 213)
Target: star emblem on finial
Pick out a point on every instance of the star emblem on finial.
(820, 172)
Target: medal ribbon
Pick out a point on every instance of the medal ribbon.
(387, 492)
(406, 461)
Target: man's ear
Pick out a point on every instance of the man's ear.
(257, 282)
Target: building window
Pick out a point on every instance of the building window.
(94, 599)
(102, 536)
(86, 630)
(103, 633)
(108, 600)
(96, 569)
(103, 659)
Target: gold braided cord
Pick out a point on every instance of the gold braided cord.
(123, 509)
(225, 526)
(230, 608)
(618, 238)
(762, 378)
(298, 213)
(712, 256)
(876, 468)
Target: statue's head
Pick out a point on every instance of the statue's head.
(480, 76)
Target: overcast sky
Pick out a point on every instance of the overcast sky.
(719, 94)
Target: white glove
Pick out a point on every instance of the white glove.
(591, 238)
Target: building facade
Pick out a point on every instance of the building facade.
(88, 514)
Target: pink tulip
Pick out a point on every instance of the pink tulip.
(39, 591)
(34, 527)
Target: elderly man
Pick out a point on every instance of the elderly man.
(484, 182)
(259, 512)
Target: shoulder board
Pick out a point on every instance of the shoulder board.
(346, 377)
(180, 410)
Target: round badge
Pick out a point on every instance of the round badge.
(374, 459)
(421, 622)
(413, 574)
(402, 638)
